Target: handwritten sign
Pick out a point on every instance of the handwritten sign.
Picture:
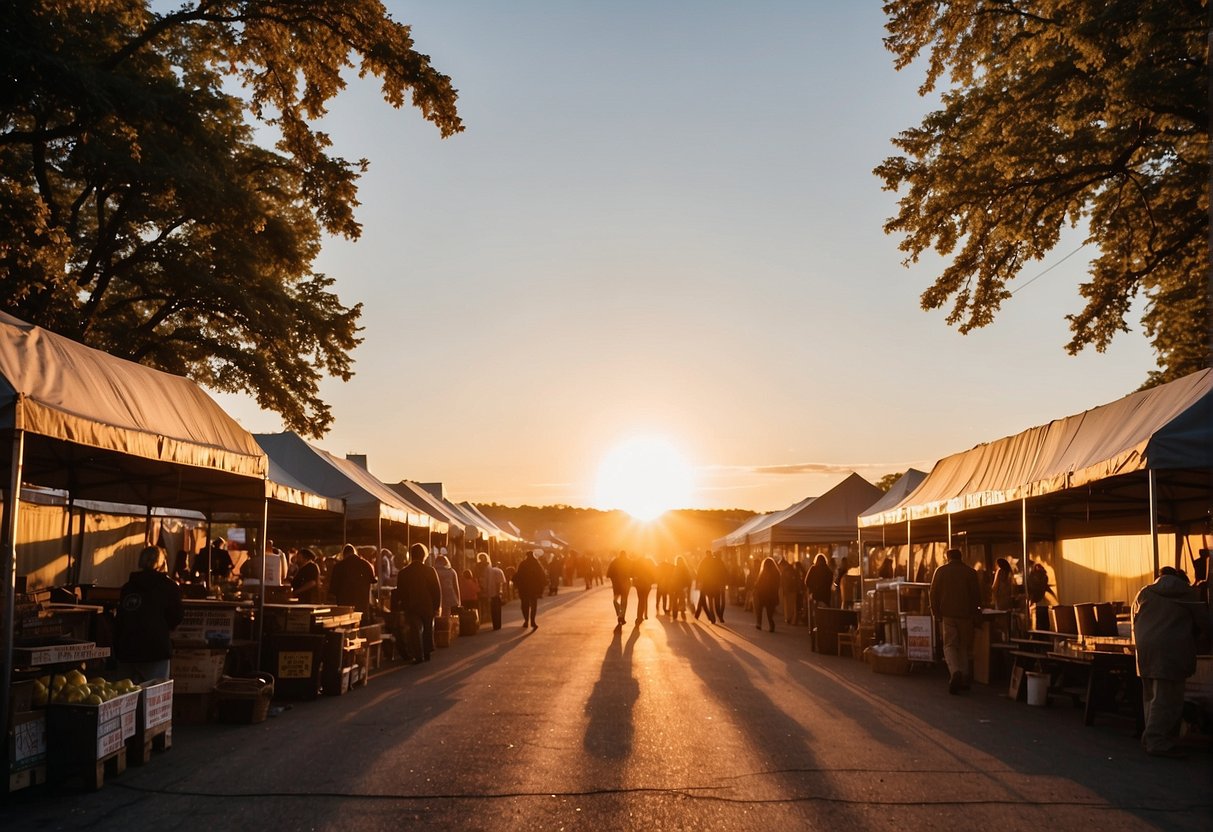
(295, 664)
(920, 642)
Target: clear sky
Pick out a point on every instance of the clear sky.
(662, 220)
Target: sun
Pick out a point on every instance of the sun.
(645, 476)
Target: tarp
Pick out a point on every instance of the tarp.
(1166, 428)
(901, 489)
(418, 496)
(830, 518)
(106, 428)
(737, 537)
(366, 498)
(491, 528)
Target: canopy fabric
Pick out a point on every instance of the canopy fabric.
(366, 498)
(418, 496)
(1166, 428)
(284, 489)
(830, 518)
(901, 489)
(112, 429)
(493, 530)
(737, 537)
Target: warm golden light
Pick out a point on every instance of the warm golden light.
(645, 476)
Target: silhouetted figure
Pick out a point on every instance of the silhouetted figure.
(350, 581)
(644, 575)
(766, 592)
(416, 599)
(1002, 590)
(789, 588)
(956, 598)
(619, 573)
(530, 581)
(680, 589)
(148, 610)
(710, 578)
(305, 586)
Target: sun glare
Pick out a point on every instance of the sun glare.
(645, 477)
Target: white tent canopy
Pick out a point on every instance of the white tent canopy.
(1166, 428)
(365, 497)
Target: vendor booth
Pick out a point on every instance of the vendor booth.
(99, 428)
(1090, 506)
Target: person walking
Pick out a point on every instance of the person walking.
(492, 588)
(644, 575)
(1167, 617)
(956, 599)
(710, 580)
(680, 590)
(766, 591)
(448, 580)
(619, 573)
(149, 609)
(417, 598)
(531, 580)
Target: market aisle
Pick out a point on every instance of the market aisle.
(668, 725)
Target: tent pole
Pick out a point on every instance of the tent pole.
(1023, 532)
(949, 529)
(265, 555)
(909, 551)
(380, 530)
(1153, 518)
(10, 559)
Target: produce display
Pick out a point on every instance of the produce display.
(75, 688)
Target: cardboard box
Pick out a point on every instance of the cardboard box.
(27, 742)
(206, 624)
(61, 653)
(156, 706)
(197, 670)
(76, 733)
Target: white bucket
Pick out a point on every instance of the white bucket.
(1038, 688)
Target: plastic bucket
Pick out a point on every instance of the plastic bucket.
(1038, 688)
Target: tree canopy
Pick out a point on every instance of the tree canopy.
(1055, 114)
(141, 215)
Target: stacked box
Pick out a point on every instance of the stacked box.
(86, 733)
(197, 670)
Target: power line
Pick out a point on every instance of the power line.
(1051, 268)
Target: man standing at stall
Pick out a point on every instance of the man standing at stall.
(416, 600)
(350, 581)
(956, 598)
(1167, 616)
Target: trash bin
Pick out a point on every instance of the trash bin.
(294, 661)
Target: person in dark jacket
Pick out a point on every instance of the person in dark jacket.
(350, 581)
(306, 584)
(1167, 617)
(711, 578)
(149, 609)
(531, 580)
(416, 600)
(619, 573)
(956, 598)
(644, 575)
(214, 563)
(766, 592)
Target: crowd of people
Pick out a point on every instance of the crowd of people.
(1170, 617)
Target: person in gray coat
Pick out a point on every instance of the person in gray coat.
(1167, 617)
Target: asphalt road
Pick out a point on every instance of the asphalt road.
(661, 726)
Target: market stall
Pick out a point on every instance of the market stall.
(96, 427)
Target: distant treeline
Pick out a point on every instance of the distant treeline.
(591, 530)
